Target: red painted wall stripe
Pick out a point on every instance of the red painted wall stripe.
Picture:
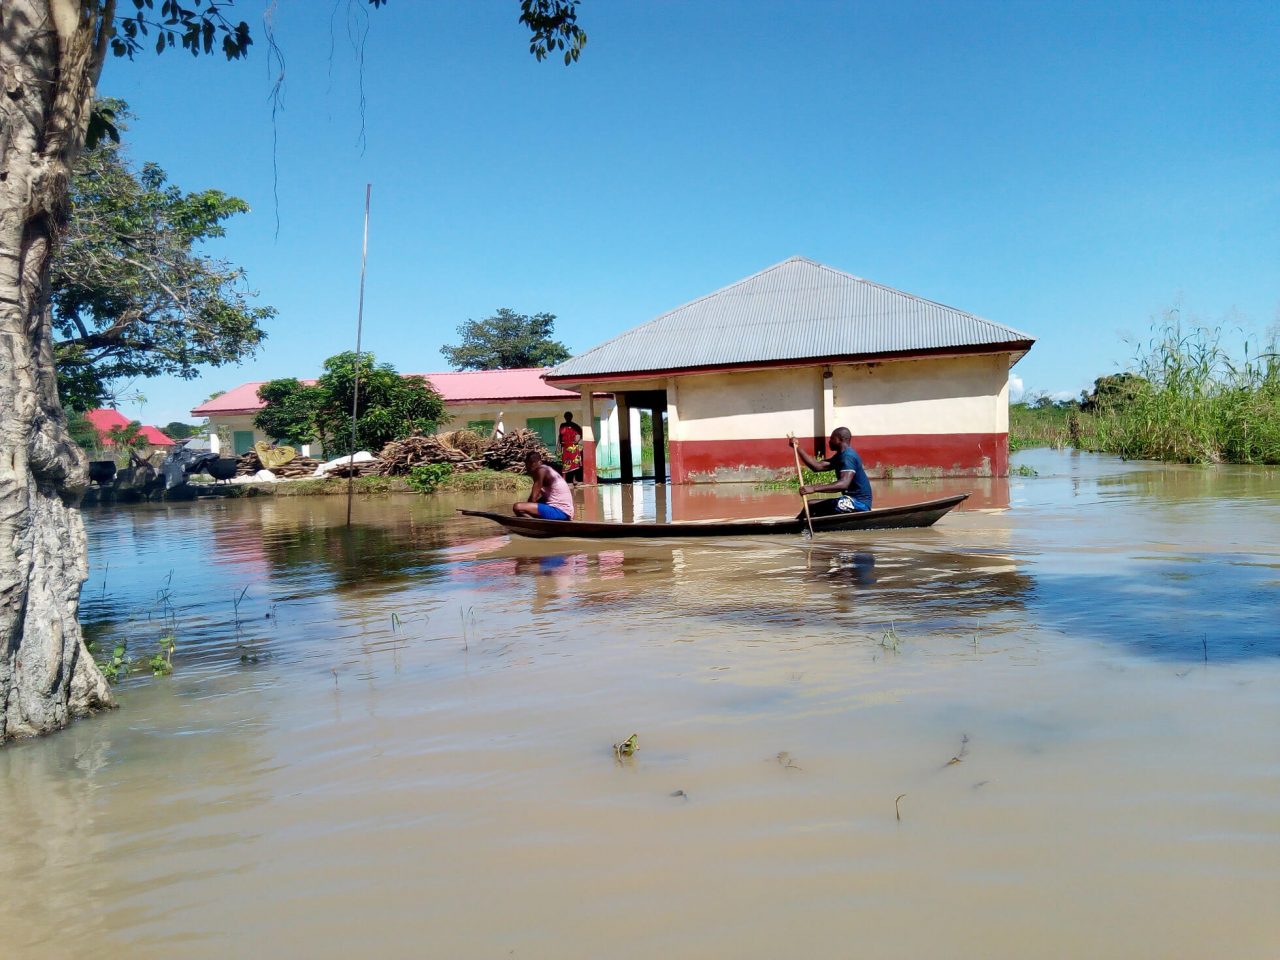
(951, 454)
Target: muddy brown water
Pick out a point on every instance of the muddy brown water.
(1048, 727)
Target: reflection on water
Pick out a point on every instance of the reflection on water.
(641, 502)
(396, 738)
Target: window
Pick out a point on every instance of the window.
(482, 427)
(544, 427)
(242, 441)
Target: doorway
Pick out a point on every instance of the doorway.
(642, 435)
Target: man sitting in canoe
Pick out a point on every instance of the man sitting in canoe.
(851, 479)
(550, 497)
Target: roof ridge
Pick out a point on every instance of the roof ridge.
(920, 299)
(705, 296)
(461, 372)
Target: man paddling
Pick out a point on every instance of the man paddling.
(851, 479)
(550, 498)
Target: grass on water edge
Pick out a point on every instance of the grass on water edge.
(477, 481)
(1187, 400)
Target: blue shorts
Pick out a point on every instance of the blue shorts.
(547, 512)
(851, 505)
(834, 506)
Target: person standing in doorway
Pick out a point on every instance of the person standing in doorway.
(571, 449)
(851, 478)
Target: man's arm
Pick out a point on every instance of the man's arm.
(809, 461)
(842, 483)
(536, 491)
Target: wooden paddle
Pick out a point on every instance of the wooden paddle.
(800, 476)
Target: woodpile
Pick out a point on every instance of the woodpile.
(361, 468)
(400, 456)
(249, 464)
(508, 451)
(295, 469)
(468, 441)
(464, 450)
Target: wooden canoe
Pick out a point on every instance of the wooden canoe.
(924, 514)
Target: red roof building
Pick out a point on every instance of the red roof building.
(104, 419)
(477, 400)
(524, 385)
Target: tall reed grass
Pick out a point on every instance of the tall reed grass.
(1039, 426)
(1199, 403)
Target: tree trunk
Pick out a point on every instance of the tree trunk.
(50, 54)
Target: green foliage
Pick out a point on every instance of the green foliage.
(177, 430)
(553, 25)
(126, 438)
(194, 28)
(476, 481)
(1201, 405)
(115, 666)
(811, 478)
(161, 662)
(1033, 424)
(289, 414)
(428, 476)
(1115, 390)
(336, 486)
(132, 295)
(82, 431)
(391, 406)
(506, 340)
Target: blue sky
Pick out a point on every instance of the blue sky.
(1070, 170)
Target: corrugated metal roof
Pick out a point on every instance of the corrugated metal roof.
(795, 310)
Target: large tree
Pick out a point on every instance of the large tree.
(51, 56)
(388, 406)
(133, 295)
(507, 340)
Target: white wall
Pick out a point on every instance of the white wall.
(515, 415)
(748, 405)
(942, 395)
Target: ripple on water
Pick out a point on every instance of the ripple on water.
(403, 729)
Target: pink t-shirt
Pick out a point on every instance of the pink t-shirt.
(557, 494)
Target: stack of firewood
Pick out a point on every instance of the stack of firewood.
(361, 468)
(508, 451)
(468, 441)
(249, 464)
(400, 456)
(295, 469)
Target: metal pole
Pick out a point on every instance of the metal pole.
(355, 392)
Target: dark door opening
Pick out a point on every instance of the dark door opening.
(646, 457)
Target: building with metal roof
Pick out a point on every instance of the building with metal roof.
(479, 400)
(802, 348)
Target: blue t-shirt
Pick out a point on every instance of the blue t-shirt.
(848, 461)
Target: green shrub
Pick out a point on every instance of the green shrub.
(427, 477)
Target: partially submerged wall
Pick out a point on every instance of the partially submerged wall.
(944, 416)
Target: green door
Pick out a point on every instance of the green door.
(544, 427)
(482, 427)
(242, 441)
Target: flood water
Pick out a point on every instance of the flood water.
(1049, 727)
